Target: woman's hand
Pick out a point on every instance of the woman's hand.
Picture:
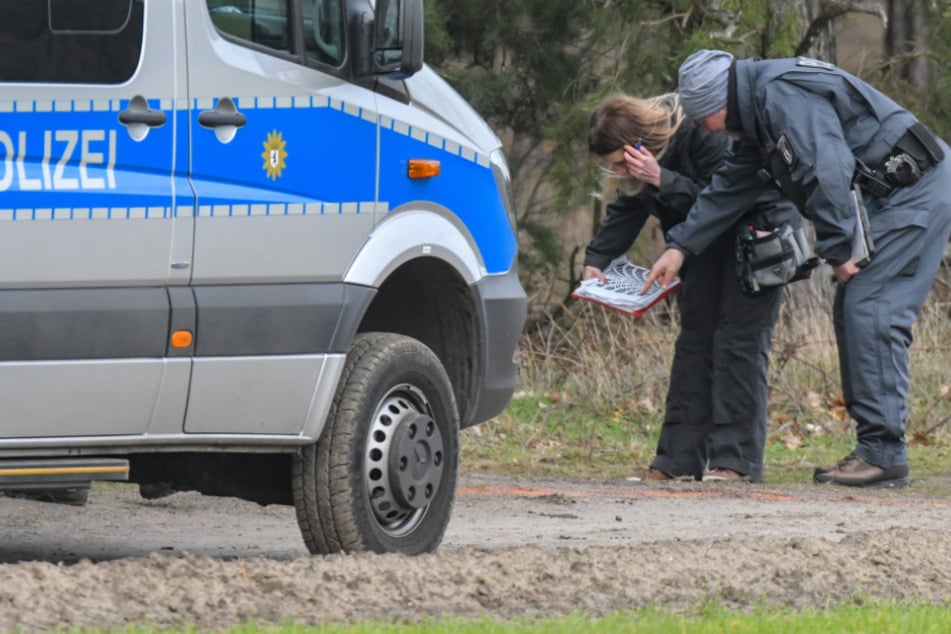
(642, 165)
(592, 272)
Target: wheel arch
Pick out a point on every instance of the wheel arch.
(428, 300)
(425, 269)
(424, 230)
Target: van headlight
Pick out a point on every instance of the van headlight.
(503, 181)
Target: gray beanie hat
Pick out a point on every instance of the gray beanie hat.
(702, 80)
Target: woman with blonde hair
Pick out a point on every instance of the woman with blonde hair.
(657, 162)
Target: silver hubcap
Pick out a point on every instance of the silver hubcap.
(404, 460)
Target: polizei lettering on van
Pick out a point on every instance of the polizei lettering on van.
(70, 160)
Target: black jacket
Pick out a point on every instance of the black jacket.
(691, 158)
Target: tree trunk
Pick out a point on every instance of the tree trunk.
(907, 31)
(818, 39)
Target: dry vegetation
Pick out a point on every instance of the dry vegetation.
(608, 364)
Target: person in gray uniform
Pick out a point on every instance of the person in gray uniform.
(655, 161)
(821, 134)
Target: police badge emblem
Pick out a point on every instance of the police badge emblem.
(785, 151)
(274, 155)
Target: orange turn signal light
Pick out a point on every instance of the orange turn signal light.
(182, 338)
(423, 168)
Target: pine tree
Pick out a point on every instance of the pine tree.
(536, 68)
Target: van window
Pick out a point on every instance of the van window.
(262, 22)
(70, 41)
(323, 31)
(89, 16)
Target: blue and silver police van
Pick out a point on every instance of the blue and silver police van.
(251, 248)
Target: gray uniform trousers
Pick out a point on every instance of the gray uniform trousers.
(874, 313)
(718, 392)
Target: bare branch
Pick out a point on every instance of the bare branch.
(682, 17)
(833, 10)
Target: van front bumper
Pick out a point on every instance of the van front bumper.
(504, 306)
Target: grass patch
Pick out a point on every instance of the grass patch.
(710, 619)
(540, 436)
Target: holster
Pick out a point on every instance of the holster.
(914, 153)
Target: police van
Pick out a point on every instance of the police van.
(250, 248)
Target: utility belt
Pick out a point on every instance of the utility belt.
(915, 153)
(772, 258)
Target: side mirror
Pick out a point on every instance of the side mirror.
(398, 37)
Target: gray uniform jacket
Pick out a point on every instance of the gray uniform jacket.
(806, 121)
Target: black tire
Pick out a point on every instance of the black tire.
(382, 476)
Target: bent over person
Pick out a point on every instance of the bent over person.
(818, 132)
(715, 417)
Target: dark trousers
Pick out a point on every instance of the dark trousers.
(716, 401)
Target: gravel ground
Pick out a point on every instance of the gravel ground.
(531, 548)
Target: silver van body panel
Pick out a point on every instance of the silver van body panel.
(431, 94)
(45, 398)
(283, 390)
(313, 249)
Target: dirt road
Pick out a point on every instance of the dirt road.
(514, 547)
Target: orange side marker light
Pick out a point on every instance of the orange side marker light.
(423, 168)
(181, 338)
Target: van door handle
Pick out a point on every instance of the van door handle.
(151, 118)
(224, 119)
(138, 118)
(216, 119)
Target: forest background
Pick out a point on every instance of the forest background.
(535, 69)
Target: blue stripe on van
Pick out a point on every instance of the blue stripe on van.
(328, 167)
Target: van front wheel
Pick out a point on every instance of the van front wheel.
(382, 475)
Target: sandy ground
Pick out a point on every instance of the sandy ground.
(514, 548)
